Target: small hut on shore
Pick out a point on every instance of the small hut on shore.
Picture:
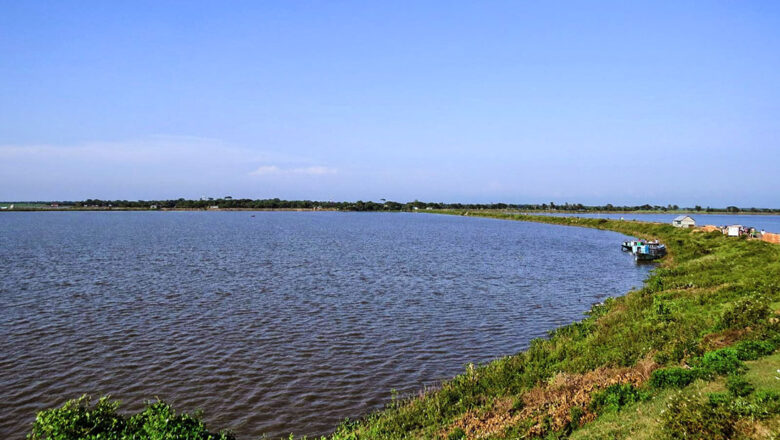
(684, 221)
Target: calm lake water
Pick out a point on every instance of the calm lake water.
(769, 223)
(278, 322)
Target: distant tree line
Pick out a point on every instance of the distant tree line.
(383, 205)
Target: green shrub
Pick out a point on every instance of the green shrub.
(78, 419)
(738, 386)
(518, 405)
(576, 416)
(746, 312)
(456, 434)
(675, 377)
(752, 350)
(687, 417)
(722, 361)
(615, 397)
(768, 400)
(723, 399)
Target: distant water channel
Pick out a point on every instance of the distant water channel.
(277, 322)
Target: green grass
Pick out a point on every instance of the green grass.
(641, 421)
(763, 373)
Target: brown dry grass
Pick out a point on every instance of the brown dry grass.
(714, 341)
(549, 405)
(758, 429)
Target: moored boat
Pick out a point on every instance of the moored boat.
(650, 251)
(644, 250)
(631, 245)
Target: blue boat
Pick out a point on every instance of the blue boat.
(645, 250)
(630, 246)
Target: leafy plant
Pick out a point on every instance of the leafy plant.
(723, 361)
(673, 377)
(738, 386)
(614, 397)
(768, 400)
(518, 404)
(456, 434)
(576, 414)
(79, 419)
(752, 350)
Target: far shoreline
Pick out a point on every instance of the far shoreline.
(506, 211)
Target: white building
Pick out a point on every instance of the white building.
(684, 221)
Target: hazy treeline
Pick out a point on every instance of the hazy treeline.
(383, 205)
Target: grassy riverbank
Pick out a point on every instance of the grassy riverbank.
(692, 354)
(654, 361)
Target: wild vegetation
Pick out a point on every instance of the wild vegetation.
(692, 354)
(84, 420)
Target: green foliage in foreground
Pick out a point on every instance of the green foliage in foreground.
(79, 419)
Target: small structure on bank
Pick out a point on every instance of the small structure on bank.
(734, 230)
(684, 221)
(739, 231)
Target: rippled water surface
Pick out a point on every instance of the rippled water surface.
(277, 322)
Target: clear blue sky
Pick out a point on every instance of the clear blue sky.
(590, 102)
